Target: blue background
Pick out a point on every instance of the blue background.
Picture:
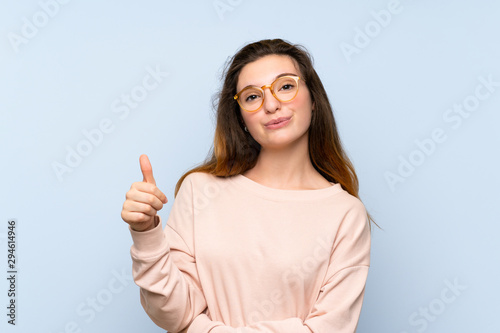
(392, 82)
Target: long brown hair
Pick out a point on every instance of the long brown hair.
(235, 151)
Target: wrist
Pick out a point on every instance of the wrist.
(203, 323)
(141, 227)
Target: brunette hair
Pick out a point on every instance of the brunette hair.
(235, 151)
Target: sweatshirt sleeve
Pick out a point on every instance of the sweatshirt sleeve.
(338, 306)
(164, 267)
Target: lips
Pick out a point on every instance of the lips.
(277, 120)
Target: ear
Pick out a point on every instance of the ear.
(314, 104)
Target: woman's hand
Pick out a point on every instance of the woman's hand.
(143, 200)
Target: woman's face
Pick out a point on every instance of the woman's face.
(262, 72)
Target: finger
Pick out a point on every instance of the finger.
(150, 188)
(145, 198)
(139, 207)
(146, 169)
(135, 218)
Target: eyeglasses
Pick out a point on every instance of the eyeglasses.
(284, 89)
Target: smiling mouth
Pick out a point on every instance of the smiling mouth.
(278, 122)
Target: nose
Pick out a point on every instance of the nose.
(271, 104)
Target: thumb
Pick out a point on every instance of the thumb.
(146, 169)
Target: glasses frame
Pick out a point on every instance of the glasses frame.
(271, 88)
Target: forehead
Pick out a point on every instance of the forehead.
(264, 70)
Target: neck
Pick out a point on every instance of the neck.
(287, 167)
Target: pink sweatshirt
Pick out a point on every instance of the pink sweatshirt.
(238, 256)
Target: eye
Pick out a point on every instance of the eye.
(251, 98)
(287, 86)
(250, 95)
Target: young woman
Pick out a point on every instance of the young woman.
(269, 234)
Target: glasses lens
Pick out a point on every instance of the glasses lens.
(251, 99)
(285, 88)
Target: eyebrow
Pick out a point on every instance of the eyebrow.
(277, 76)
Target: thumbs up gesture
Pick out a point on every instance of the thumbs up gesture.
(143, 200)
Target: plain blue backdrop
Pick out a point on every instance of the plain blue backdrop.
(415, 87)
